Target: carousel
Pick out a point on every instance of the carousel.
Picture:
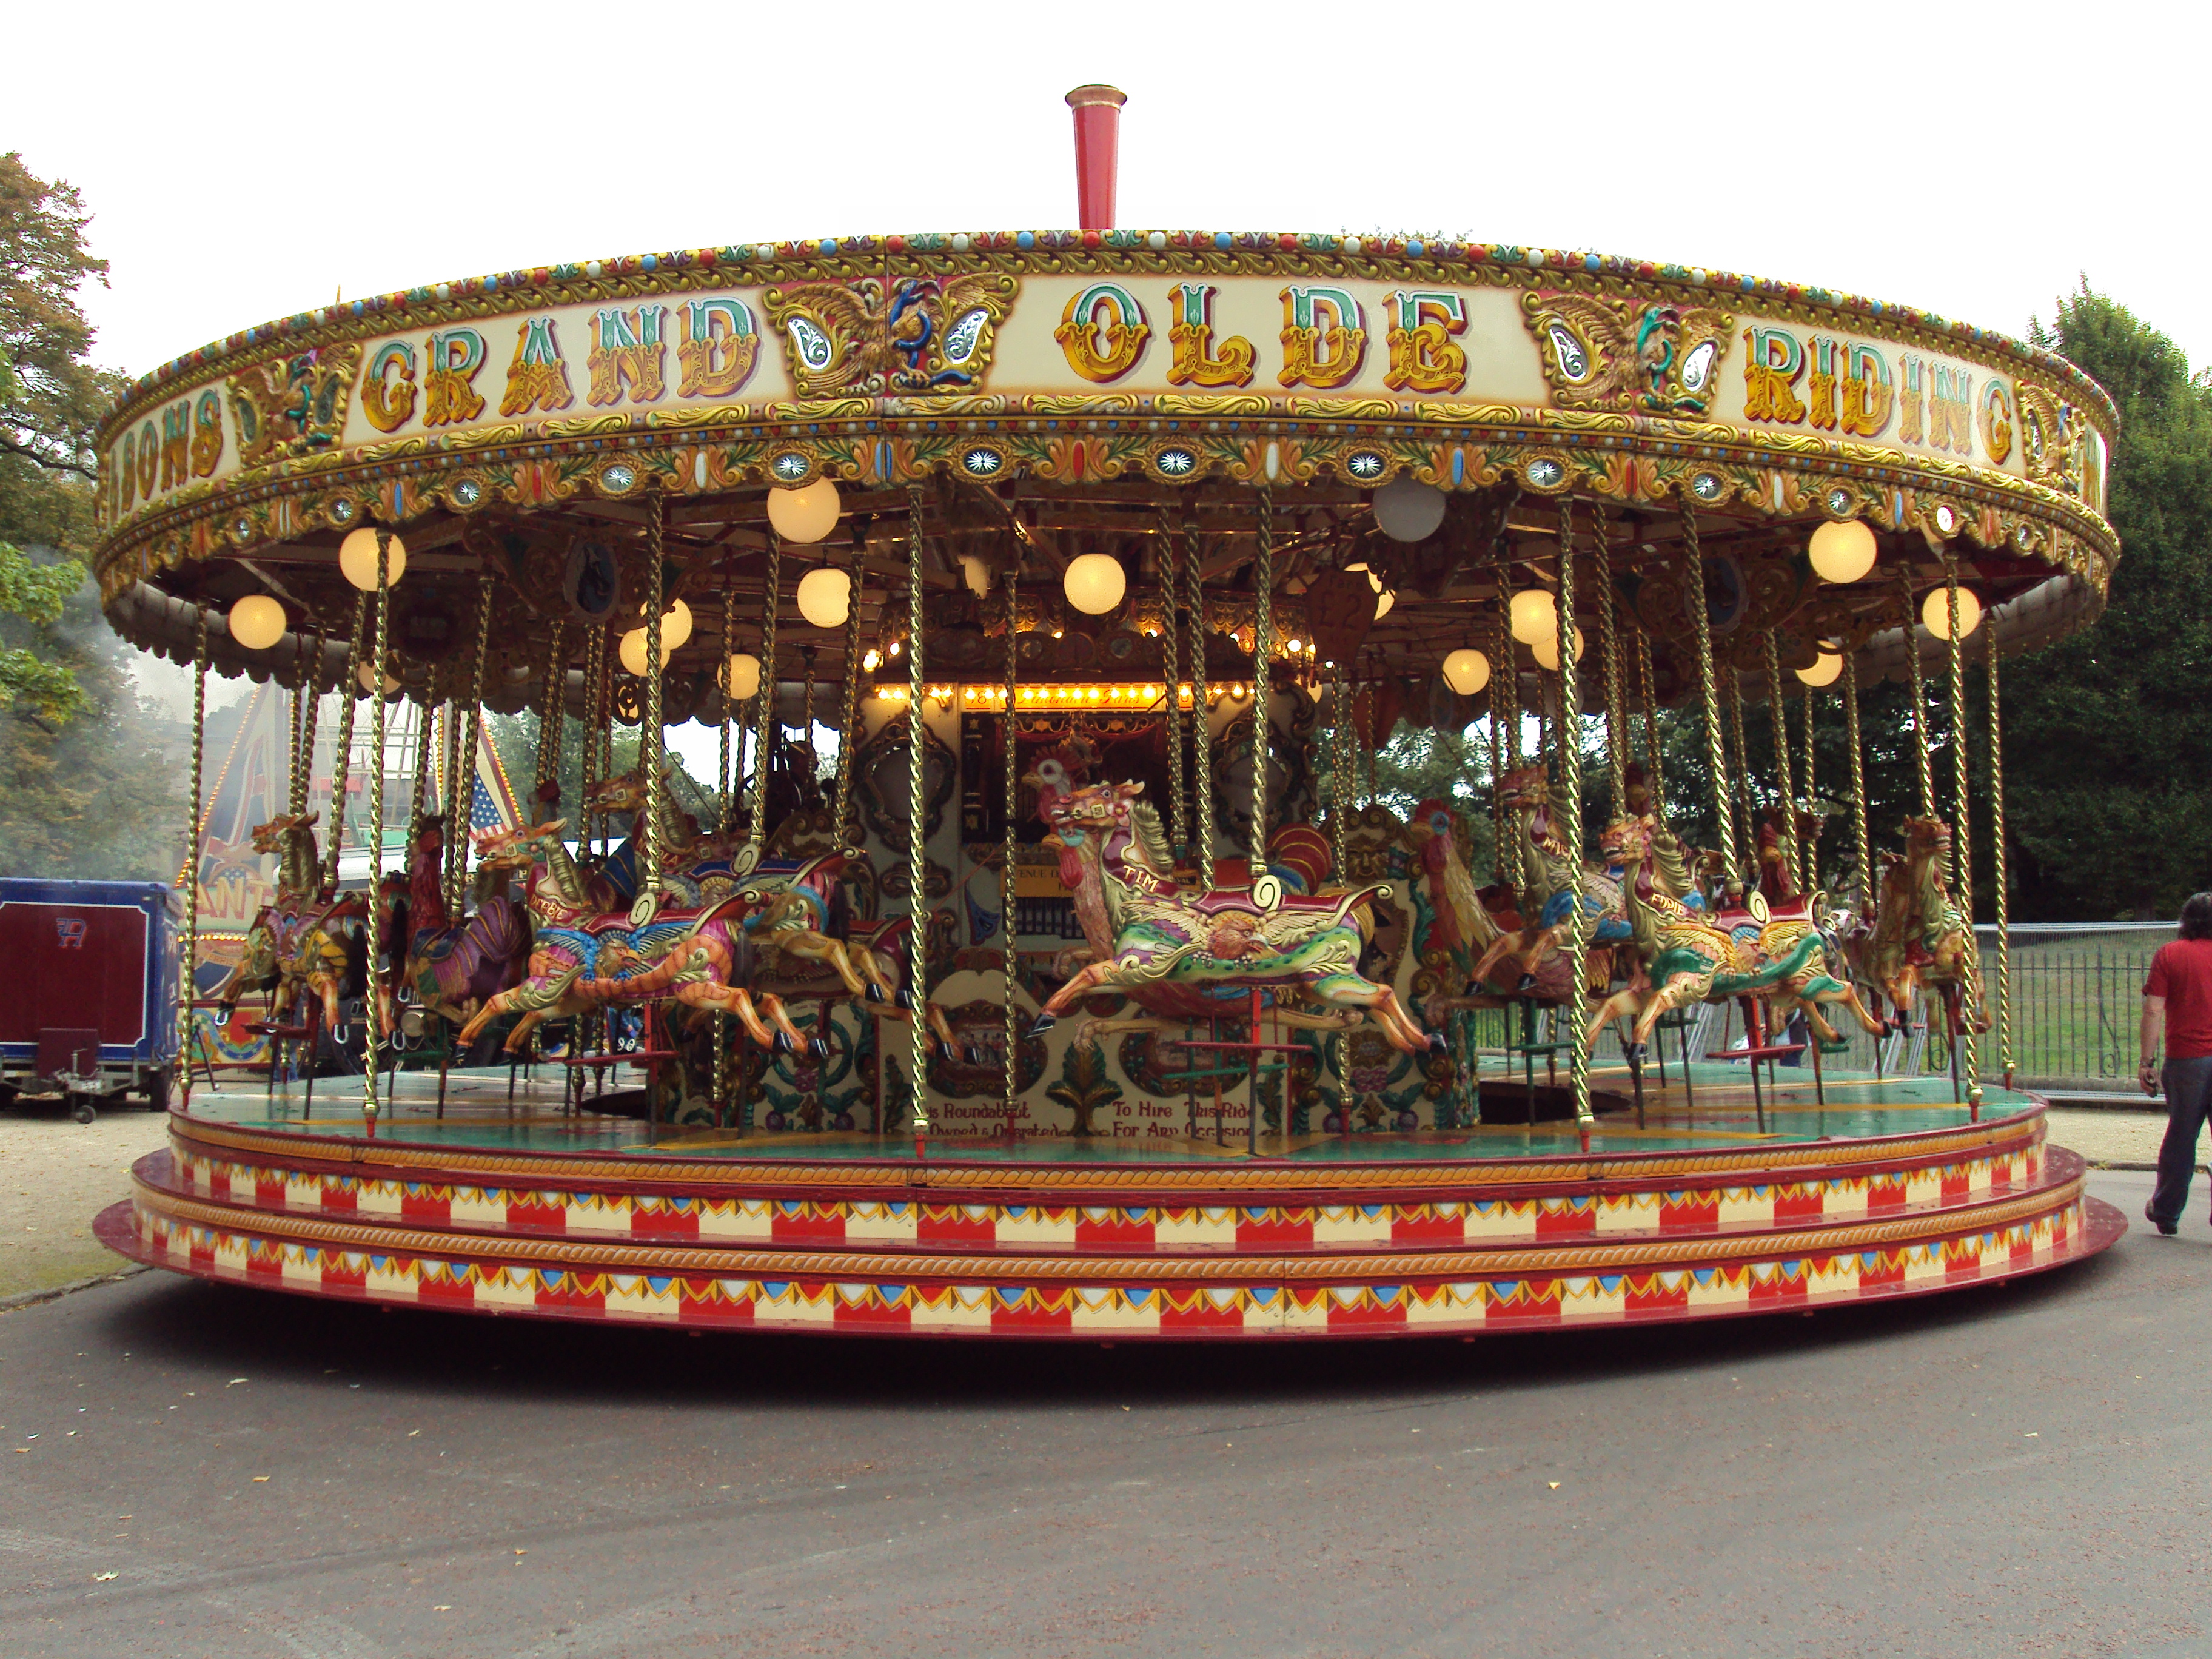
(1052, 956)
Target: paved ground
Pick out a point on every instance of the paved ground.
(195, 1470)
(54, 1176)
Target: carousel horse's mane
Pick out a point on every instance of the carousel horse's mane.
(1667, 855)
(1150, 839)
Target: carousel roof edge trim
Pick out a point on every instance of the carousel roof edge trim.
(1104, 252)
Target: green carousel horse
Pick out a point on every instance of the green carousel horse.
(1691, 955)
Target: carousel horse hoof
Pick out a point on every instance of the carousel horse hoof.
(905, 999)
(874, 993)
(1634, 1052)
(974, 1056)
(948, 1052)
(1526, 982)
(1437, 1044)
(781, 1044)
(817, 1047)
(1041, 1025)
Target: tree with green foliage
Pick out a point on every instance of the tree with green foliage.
(2108, 731)
(91, 778)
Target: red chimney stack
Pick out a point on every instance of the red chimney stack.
(1098, 149)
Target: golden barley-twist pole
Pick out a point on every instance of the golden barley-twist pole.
(1341, 748)
(917, 860)
(369, 1015)
(188, 969)
(650, 736)
(342, 755)
(1998, 860)
(1920, 756)
(307, 736)
(1808, 875)
(1171, 660)
(1778, 717)
(848, 730)
(764, 752)
(1506, 727)
(1569, 727)
(1010, 760)
(458, 831)
(1263, 645)
(1962, 847)
(1862, 845)
(1616, 716)
(1201, 708)
(1731, 881)
(1653, 766)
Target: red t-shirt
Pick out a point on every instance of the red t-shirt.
(2181, 972)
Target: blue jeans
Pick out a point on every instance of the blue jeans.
(2188, 1097)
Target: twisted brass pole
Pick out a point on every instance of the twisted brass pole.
(1998, 860)
(916, 854)
(764, 758)
(368, 1035)
(1011, 760)
(1862, 846)
(1654, 767)
(1702, 631)
(342, 757)
(1962, 845)
(1201, 709)
(1263, 644)
(1778, 717)
(1616, 718)
(848, 730)
(188, 969)
(1920, 755)
(1171, 662)
(1571, 815)
(1808, 852)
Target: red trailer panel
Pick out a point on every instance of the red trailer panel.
(74, 965)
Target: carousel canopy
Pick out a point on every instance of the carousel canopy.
(1421, 421)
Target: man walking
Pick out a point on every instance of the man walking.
(2177, 997)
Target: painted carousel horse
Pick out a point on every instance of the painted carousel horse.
(804, 930)
(453, 967)
(1466, 921)
(1183, 956)
(1919, 936)
(1695, 956)
(585, 957)
(1778, 876)
(1549, 896)
(300, 943)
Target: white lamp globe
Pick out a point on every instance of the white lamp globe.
(744, 674)
(1824, 669)
(367, 681)
(1935, 612)
(1466, 671)
(1095, 583)
(630, 651)
(1842, 550)
(825, 596)
(1546, 650)
(806, 514)
(1407, 510)
(256, 622)
(357, 559)
(1532, 615)
(675, 626)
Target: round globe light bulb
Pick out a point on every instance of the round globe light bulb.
(629, 651)
(744, 674)
(357, 559)
(675, 626)
(363, 678)
(806, 514)
(1407, 510)
(1825, 670)
(1546, 650)
(256, 622)
(825, 596)
(1935, 612)
(1466, 671)
(1842, 550)
(1095, 583)
(1532, 615)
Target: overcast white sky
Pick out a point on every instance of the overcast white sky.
(246, 161)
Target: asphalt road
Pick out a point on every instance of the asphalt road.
(2001, 1471)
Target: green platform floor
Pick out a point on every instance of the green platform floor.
(479, 1113)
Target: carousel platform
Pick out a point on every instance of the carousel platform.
(517, 1206)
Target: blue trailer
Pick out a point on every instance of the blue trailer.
(87, 992)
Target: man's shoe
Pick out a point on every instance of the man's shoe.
(2167, 1229)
